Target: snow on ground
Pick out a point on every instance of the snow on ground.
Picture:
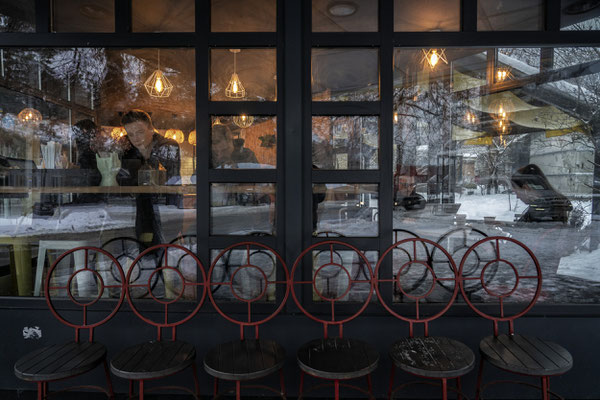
(581, 264)
(80, 219)
(477, 206)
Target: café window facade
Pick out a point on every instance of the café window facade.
(369, 121)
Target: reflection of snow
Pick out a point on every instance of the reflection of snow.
(581, 264)
(81, 219)
(492, 205)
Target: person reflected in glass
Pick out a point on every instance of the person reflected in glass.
(151, 160)
(228, 152)
(85, 133)
(222, 147)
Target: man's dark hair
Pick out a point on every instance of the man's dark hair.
(135, 116)
(86, 128)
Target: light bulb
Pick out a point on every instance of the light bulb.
(396, 117)
(158, 85)
(434, 58)
(235, 87)
(243, 118)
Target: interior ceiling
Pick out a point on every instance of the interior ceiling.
(364, 18)
(426, 15)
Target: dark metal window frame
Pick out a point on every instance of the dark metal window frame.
(294, 110)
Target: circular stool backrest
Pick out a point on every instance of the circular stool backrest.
(415, 279)
(181, 282)
(332, 268)
(252, 274)
(500, 280)
(92, 274)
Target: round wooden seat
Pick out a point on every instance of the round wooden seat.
(337, 358)
(526, 355)
(433, 357)
(60, 361)
(246, 359)
(154, 359)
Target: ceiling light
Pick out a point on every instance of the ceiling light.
(503, 74)
(157, 84)
(192, 138)
(432, 57)
(342, 8)
(30, 116)
(175, 134)
(235, 89)
(243, 121)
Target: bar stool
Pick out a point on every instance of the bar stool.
(335, 358)
(405, 274)
(258, 279)
(511, 274)
(67, 360)
(160, 358)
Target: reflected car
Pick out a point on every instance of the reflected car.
(545, 203)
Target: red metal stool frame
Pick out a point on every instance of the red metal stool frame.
(20, 366)
(298, 280)
(565, 360)
(166, 322)
(251, 347)
(462, 357)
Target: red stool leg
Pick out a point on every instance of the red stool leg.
(444, 389)
(459, 388)
(544, 387)
(282, 382)
(370, 384)
(391, 388)
(108, 381)
(216, 387)
(479, 378)
(45, 391)
(238, 390)
(196, 383)
(301, 384)
(141, 394)
(337, 389)
(40, 391)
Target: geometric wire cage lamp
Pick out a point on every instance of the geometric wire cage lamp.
(433, 56)
(157, 84)
(175, 134)
(235, 89)
(243, 121)
(30, 115)
(503, 74)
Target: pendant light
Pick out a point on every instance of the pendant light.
(235, 89)
(432, 57)
(243, 121)
(157, 84)
(192, 138)
(175, 134)
(30, 116)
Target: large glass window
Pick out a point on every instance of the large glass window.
(78, 16)
(477, 155)
(96, 150)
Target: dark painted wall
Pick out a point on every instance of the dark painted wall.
(581, 336)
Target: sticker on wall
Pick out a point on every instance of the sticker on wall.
(32, 332)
